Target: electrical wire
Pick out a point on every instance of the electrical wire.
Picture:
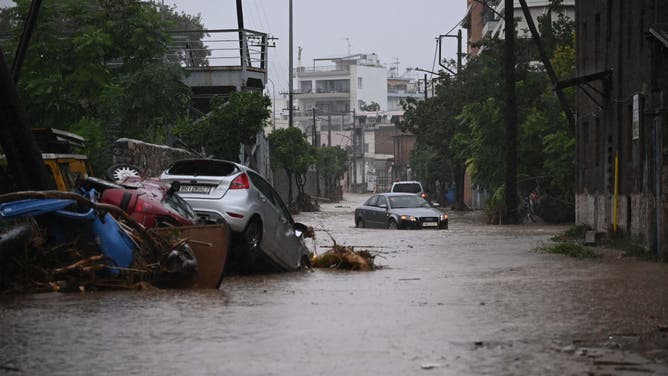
(275, 65)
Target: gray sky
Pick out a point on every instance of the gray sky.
(395, 30)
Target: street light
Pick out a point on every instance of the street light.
(426, 71)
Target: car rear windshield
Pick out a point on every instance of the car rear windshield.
(407, 188)
(202, 168)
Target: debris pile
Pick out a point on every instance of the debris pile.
(61, 241)
(342, 257)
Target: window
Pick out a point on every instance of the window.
(305, 86)
(360, 83)
(332, 86)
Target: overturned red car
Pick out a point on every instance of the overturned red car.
(147, 200)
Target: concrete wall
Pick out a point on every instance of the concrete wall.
(374, 85)
(150, 159)
(635, 214)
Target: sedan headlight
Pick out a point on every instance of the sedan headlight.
(408, 218)
(444, 217)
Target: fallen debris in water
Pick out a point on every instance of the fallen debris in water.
(342, 257)
(79, 245)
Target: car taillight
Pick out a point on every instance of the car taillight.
(240, 182)
(423, 195)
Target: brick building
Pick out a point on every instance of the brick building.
(622, 104)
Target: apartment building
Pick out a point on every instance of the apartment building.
(486, 21)
(342, 85)
(353, 102)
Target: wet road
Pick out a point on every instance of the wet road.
(472, 300)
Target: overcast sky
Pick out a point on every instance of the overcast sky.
(395, 30)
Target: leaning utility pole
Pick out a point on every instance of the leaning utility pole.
(24, 159)
(511, 215)
(548, 66)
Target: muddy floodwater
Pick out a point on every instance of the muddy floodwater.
(471, 300)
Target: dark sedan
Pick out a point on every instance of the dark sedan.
(399, 210)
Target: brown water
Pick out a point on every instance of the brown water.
(472, 300)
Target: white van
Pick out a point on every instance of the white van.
(409, 186)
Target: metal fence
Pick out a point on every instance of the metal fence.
(219, 48)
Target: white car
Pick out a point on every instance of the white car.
(409, 186)
(267, 237)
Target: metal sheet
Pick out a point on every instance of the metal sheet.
(210, 244)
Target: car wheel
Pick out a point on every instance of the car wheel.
(252, 236)
(118, 172)
(392, 224)
(305, 262)
(444, 225)
(359, 223)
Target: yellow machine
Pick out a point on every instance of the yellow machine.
(63, 155)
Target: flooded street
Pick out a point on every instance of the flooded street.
(471, 300)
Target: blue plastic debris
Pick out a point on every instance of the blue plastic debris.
(65, 225)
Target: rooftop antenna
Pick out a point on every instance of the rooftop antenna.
(348, 42)
(395, 67)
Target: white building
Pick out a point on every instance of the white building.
(335, 95)
(494, 27)
(341, 85)
(401, 87)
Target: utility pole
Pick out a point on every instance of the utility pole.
(459, 53)
(24, 159)
(28, 27)
(313, 133)
(329, 130)
(510, 115)
(354, 140)
(290, 94)
(548, 66)
(242, 42)
(425, 86)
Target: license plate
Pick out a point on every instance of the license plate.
(429, 224)
(185, 188)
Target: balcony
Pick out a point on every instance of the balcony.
(226, 60)
(328, 70)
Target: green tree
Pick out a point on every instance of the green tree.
(98, 67)
(434, 123)
(332, 163)
(291, 151)
(462, 125)
(232, 122)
